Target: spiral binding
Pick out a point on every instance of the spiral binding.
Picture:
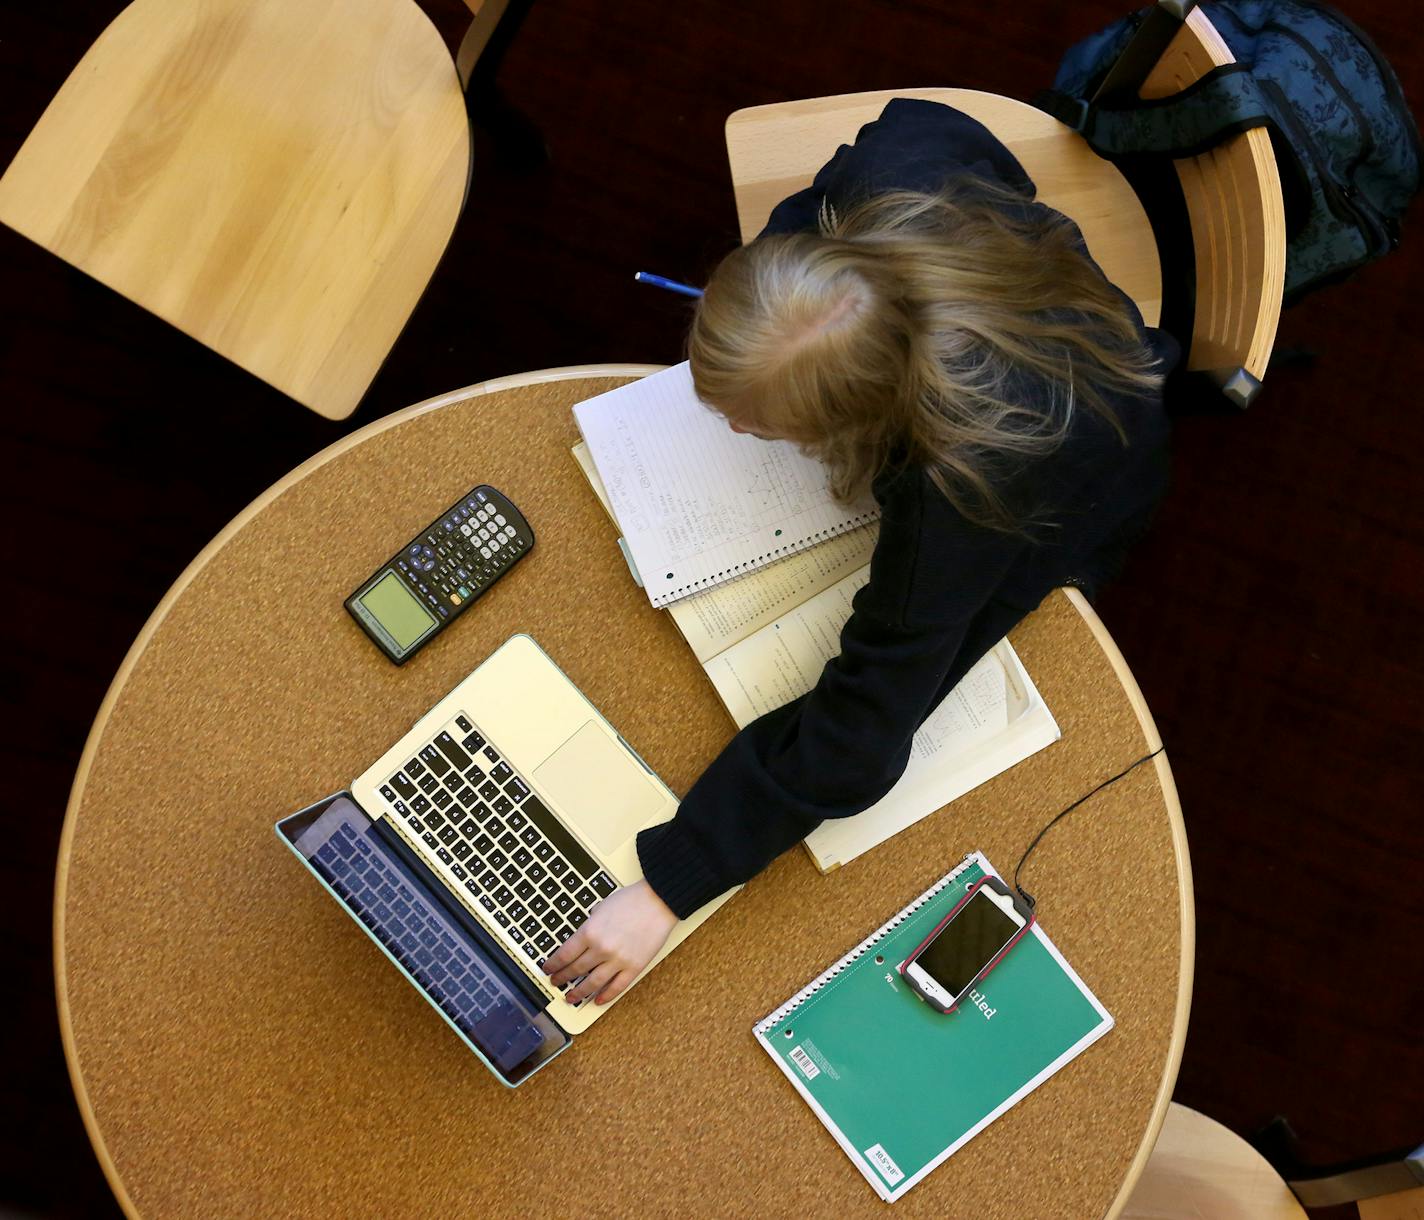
(781, 552)
(795, 1002)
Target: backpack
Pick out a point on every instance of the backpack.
(1345, 143)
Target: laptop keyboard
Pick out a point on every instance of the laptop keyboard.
(498, 840)
(423, 940)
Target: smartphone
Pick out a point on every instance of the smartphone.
(968, 943)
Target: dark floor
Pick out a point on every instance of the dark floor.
(1274, 620)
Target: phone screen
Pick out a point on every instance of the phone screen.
(967, 944)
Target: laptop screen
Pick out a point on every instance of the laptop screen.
(385, 888)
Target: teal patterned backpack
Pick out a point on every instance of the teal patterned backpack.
(1345, 142)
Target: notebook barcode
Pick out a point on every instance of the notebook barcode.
(802, 1060)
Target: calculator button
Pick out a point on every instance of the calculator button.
(456, 599)
(499, 519)
(464, 592)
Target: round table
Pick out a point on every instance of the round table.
(237, 1045)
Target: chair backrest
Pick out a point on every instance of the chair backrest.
(1233, 197)
(277, 179)
(1199, 1168)
(776, 150)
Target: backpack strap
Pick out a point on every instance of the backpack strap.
(1225, 101)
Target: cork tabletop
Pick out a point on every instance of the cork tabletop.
(239, 1047)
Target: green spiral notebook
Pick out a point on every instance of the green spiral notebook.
(901, 1086)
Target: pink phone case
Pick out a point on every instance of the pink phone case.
(993, 961)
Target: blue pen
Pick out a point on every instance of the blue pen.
(657, 281)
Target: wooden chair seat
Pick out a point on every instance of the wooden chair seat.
(776, 150)
(1199, 1170)
(276, 178)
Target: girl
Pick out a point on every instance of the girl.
(915, 321)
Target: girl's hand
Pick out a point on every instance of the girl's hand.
(623, 934)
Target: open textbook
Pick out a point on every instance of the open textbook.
(764, 638)
(699, 504)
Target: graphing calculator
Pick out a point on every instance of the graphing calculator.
(431, 581)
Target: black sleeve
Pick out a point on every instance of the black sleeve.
(913, 146)
(840, 748)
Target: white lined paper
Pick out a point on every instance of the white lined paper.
(697, 502)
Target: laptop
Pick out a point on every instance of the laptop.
(481, 841)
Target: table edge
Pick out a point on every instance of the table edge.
(1186, 962)
(1075, 599)
(160, 612)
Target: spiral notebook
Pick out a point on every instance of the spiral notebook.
(900, 1086)
(697, 503)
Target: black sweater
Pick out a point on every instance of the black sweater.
(942, 590)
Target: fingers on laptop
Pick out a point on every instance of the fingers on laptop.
(559, 965)
(604, 984)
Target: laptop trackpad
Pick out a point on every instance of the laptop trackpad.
(600, 787)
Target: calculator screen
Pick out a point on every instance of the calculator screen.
(396, 609)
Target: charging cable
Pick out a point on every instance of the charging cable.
(1023, 893)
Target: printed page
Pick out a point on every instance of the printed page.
(722, 616)
(784, 660)
(992, 720)
(697, 502)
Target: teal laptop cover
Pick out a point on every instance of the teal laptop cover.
(901, 1086)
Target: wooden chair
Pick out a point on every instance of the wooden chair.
(776, 150)
(1237, 217)
(277, 179)
(1201, 1171)
(1232, 193)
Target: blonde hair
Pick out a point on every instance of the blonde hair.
(955, 332)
